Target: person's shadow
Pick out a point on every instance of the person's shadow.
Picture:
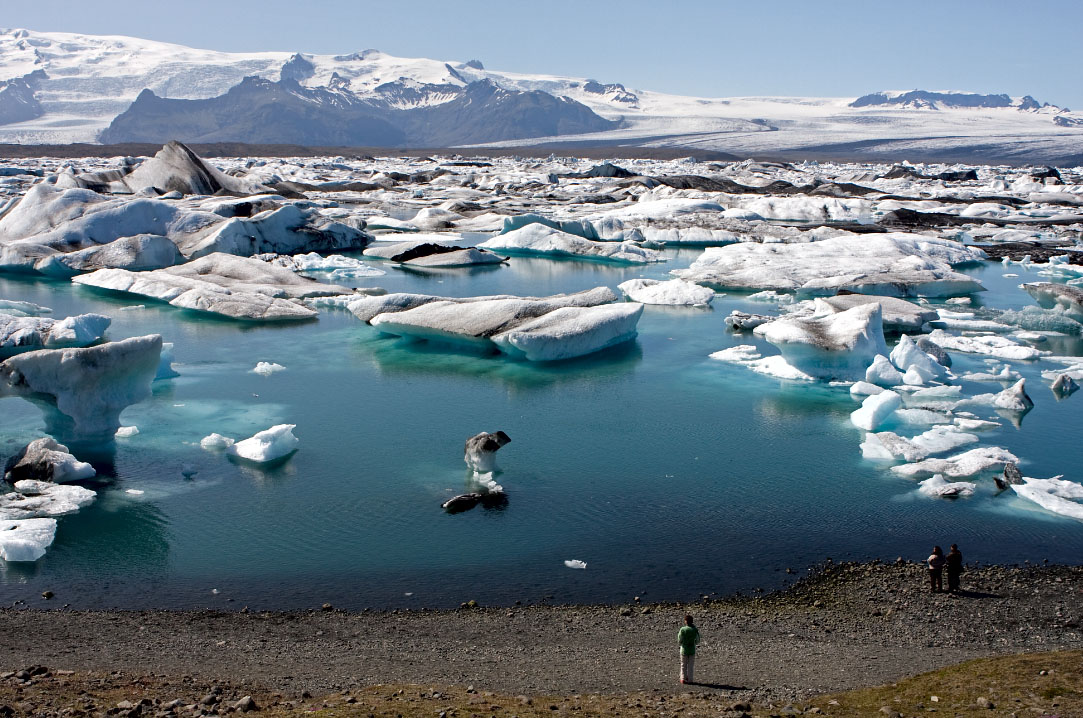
(718, 686)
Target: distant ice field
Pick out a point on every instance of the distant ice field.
(670, 474)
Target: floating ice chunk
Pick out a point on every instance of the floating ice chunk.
(367, 308)
(125, 432)
(165, 363)
(676, 292)
(899, 315)
(1006, 373)
(937, 485)
(465, 257)
(1064, 298)
(537, 239)
(940, 439)
(987, 344)
(571, 332)
(90, 386)
(907, 354)
(575, 563)
(769, 295)
(338, 264)
(267, 445)
(968, 463)
(1064, 386)
(138, 253)
(864, 388)
(917, 376)
(743, 321)
(38, 499)
(46, 460)
(1014, 398)
(27, 539)
(837, 346)
(739, 354)
(891, 446)
(923, 417)
(22, 309)
(968, 424)
(20, 334)
(134, 492)
(480, 451)
(216, 441)
(267, 368)
(882, 372)
(778, 367)
(1057, 495)
(875, 410)
(891, 264)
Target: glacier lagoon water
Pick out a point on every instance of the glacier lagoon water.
(672, 475)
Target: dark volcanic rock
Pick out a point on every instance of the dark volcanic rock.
(1038, 252)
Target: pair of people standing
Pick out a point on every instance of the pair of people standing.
(938, 562)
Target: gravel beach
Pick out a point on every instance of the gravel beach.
(846, 626)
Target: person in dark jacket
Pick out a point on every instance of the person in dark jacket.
(936, 569)
(954, 565)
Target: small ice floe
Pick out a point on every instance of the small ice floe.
(938, 486)
(126, 432)
(769, 295)
(739, 354)
(673, 292)
(216, 441)
(875, 409)
(864, 388)
(1006, 373)
(43, 499)
(575, 563)
(268, 445)
(27, 539)
(887, 445)
(968, 463)
(265, 368)
(132, 308)
(988, 344)
(1056, 494)
(134, 492)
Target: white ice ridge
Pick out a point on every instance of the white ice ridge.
(538, 239)
(575, 563)
(891, 264)
(43, 499)
(875, 409)
(27, 539)
(836, 346)
(89, 386)
(338, 265)
(267, 445)
(237, 287)
(20, 334)
(937, 485)
(465, 257)
(1056, 494)
(46, 459)
(675, 292)
(539, 329)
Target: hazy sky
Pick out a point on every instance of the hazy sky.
(694, 47)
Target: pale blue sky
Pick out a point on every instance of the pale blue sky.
(695, 47)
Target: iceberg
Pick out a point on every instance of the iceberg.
(864, 388)
(837, 346)
(743, 321)
(579, 228)
(988, 344)
(236, 287)
(875, 409)
(907, 355)
(1062, 297)
(139, 253)
(1064, 386)
(882, 372)
(1014, 398)
(46, 460)
(1057, 495)
(267, 368)
(337, 264)
(265, 446)
(968, 463)
(465, 257)
(892, 264)
(21, 334)
(739, 354)
(538, 239)
(887, 445)
(571, 332)
(165, 363)
(575, 563)
(674, 292)
(216, 441)
(26, 540)
(480, 450)
(899, 315)
(938, 486)
(42, 499)
(83, 390)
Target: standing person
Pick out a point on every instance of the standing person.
(936, 569)
(687, 638)
(955, 567)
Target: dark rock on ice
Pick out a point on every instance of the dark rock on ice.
(1012, 476)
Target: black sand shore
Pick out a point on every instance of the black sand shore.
(848, 626)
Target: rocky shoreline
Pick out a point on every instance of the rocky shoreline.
(846, 626)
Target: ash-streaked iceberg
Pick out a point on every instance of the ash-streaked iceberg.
(837, 346)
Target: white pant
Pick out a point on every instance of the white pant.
(688, 665)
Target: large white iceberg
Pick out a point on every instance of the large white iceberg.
(267, 445)
(236, 287)
(538, 239)
(19, 334)
(571, 332)
(84, 389)
(837, 346)
(892, 264)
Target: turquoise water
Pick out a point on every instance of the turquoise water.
(672, 475)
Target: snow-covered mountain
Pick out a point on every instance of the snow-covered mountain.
(60, 87)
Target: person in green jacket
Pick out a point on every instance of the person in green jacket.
(687, 638)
